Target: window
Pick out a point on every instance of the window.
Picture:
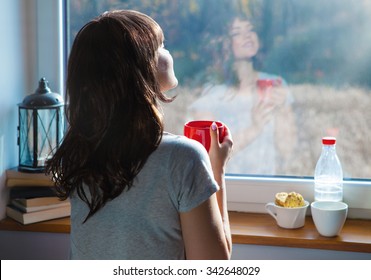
(318, 77)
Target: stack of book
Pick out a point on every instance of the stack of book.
(32, 198)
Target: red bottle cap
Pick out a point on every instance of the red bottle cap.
(328, 140)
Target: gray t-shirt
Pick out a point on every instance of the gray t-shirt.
(143, 222)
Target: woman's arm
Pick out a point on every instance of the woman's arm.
(261, 114)
(206, 230)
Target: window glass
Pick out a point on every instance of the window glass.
(281, 74)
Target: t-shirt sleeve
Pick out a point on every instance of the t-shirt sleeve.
(192, 177)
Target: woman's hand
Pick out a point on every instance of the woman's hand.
(277, 96)
(261, 113)
(264, 110)
(219, 153)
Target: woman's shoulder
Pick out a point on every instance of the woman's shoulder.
(215, 90)
(181, 145)
(178, 141)
(210, 97)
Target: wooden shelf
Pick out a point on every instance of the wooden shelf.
(261, 229)
(62, 225)
(255, 229)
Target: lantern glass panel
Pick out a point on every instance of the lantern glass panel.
(25, 137)
(41, 131)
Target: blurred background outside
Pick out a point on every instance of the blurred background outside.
(321, 48)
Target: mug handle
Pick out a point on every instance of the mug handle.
(270, 207)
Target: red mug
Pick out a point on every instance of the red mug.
(200, 131)
(264, 84)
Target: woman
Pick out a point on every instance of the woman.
(136, 192)
(260, 117)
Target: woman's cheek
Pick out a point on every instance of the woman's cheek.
(165, 70)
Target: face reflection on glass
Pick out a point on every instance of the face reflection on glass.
(245, 43)
(165, 70)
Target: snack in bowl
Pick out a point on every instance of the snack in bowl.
(289, 200)
(288, 209)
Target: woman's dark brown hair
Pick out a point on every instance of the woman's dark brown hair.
(113, 116)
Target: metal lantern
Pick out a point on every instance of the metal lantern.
(41, 127)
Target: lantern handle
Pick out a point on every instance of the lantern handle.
(43, 86)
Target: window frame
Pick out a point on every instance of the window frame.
(51, 42)
(251, 193)
(245, 193)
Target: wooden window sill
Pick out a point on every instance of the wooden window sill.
(254, 229)
(261, 229)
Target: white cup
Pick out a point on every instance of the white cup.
(288, 217)
(329, 216)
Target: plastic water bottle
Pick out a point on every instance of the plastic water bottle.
(328, 175)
